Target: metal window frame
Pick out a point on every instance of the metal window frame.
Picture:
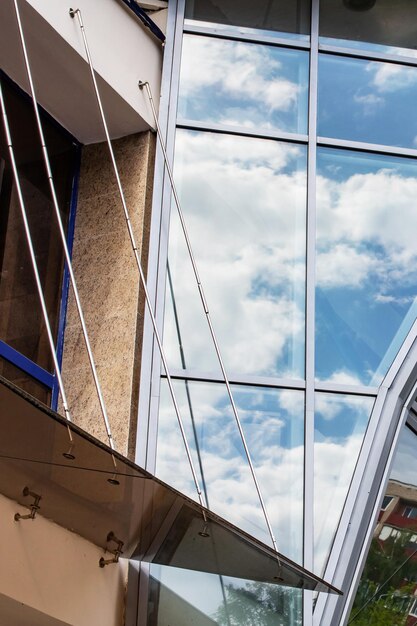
(66, 277)
(367, 486)
(16, 358)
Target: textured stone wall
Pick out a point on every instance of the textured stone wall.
(108, 283)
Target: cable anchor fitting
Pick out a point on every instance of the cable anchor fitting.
(34, 507)
(117, 551)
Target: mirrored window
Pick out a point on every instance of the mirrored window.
(366, 263)
(380, 24)
(273, 424)
(244, 201)
(387, 589)
(243, 84)
(340, 423)
(263, 16)
(367, 101)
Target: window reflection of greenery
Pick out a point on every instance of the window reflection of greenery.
(258, 604)
(386, 591)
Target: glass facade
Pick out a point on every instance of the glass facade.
(294, 151)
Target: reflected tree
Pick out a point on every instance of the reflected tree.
(258, 604)
(387, 586)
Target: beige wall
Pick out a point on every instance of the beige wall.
(108, 283)
(51, 576)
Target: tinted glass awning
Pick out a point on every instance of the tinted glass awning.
(156, 523)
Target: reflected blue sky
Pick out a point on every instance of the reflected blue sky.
(340, 423)
(273, 423)
(367, 101)
(244, 202)
(366, 263)
(243, 84)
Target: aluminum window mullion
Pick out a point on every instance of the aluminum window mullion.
(242, 131)
(359, 146)
(191, 374)
(249, 380)
(368, 55)
(310, 313)
(147, 423)
(146, 438)
(209, 31)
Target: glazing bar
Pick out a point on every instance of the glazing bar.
(61, 228)
(207, 314)
(77, 12)
(33, 258)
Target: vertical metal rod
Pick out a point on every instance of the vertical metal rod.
(310, 289)
(187, 388)
(33, 257)
(77, 12)
(190, 408)
(207, 313)
(61, 229)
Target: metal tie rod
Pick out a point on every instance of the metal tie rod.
(77, 12)
(33, 259)
(61, 229)
(207, 312)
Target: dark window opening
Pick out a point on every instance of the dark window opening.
(21, 321)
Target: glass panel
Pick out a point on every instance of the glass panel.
(287, 17)
(244, 84)
(244, 202)
(367, 101)
(370, 24)
(24, 381)
(387, 590)
(21, 320)
(366, 264)
(89, 488)
(178, 597)
(273, 423)
(339, 427)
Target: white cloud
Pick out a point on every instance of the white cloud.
(344, 266)
(279, 469)
(334, 465)
(250, 247)
(238, 70)
(366, 227)
(369, 99)
(390, 78)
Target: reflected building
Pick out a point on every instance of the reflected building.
(291, 131)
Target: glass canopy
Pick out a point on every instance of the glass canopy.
(87, 488)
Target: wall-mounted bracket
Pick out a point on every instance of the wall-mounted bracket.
(34, 507)
(116, 551)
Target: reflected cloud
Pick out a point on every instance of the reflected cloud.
(250, 248)
(273, 422)
(275, 438)
(239, 83)
(391, 78)
(340, 425)
(366, 262)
